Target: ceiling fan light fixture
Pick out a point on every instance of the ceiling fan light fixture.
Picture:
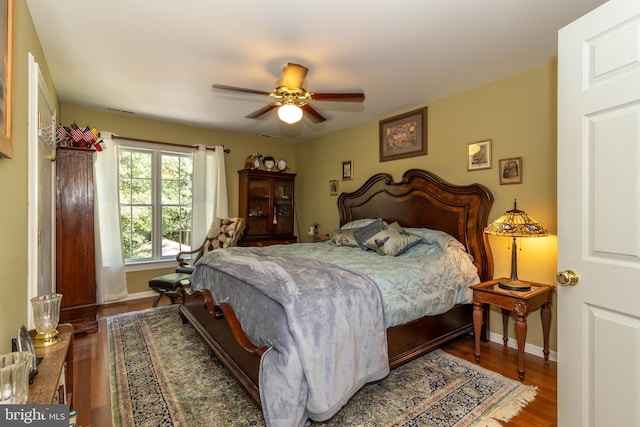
(290, 113)
(291, 98)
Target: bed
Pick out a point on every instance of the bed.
(421, 200)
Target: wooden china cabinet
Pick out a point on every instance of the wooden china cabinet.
(75, 247)
(267, 202)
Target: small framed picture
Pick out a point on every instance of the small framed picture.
(347, 170)
(510, 170)
(479, 155)
(6, 79)
(333, 187)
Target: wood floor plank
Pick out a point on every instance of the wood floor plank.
(93, 404)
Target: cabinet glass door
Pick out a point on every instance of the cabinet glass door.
(259, 207)
(283, 207)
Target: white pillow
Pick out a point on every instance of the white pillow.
(358, 223)
(436, 237)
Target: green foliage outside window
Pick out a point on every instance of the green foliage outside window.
(155, 202)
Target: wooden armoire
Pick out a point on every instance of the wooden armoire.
(75, 245)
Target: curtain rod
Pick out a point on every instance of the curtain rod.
(226, 150)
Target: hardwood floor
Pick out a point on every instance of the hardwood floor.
(91, 358)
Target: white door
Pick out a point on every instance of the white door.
(41, 187)
(599, 217)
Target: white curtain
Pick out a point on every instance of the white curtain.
(111, 280)
(209, 190)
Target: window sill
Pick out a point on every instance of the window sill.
(150, 265)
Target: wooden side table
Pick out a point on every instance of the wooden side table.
(520, 303)
(45, 384)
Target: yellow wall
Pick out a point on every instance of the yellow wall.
(517, 113)
(13, 184)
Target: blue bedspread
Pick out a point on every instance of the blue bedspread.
(428, 279)
(332, 340)
(324, 323)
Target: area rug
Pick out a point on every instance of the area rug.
(162, 374)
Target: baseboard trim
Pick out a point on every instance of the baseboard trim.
(137, 295)
(528, 348)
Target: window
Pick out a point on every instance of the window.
(155, 202)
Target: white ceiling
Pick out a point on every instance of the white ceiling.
(159, 58)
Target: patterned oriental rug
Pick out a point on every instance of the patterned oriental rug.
(162, 374)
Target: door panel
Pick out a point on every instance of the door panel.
(41, 143)
(612, 137)
(613, 370)
(599, 217)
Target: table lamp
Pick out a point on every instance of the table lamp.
(515, 223)
(46, 315)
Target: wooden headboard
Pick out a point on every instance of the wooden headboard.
(422, 199)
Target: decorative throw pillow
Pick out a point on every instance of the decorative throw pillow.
(344, 238)
(393, 241)
(363, 234)
(435, 237)
(224, 233)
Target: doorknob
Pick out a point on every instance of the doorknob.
(568, 277)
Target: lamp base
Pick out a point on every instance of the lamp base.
(515, 285)
(45, 340)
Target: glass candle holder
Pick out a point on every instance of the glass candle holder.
(46, 314)
(14, 377)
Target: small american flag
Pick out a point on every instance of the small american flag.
(63, 134)
(76, 133)
(88, 135)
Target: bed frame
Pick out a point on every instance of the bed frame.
(421, 199)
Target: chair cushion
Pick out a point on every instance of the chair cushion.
(187, 268)
(171, 281)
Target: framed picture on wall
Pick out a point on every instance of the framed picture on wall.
(6, 64)
(404, 135)
(479, 155)
(333, 187)
(347, 170)
(510, 170)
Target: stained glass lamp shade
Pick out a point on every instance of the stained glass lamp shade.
(515, 223)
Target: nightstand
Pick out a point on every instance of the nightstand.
(521, 304)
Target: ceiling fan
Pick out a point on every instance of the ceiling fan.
(291, 97)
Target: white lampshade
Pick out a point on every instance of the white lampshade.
(290, 113)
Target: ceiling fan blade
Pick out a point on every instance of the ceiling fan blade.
(293, 75)
(261, 111)
(341, 97)
(240, 89)
(313, 114)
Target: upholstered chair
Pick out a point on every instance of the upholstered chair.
(223, 233)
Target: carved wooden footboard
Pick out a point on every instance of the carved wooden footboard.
(221, 330)
(211, 324)
(421, 199)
